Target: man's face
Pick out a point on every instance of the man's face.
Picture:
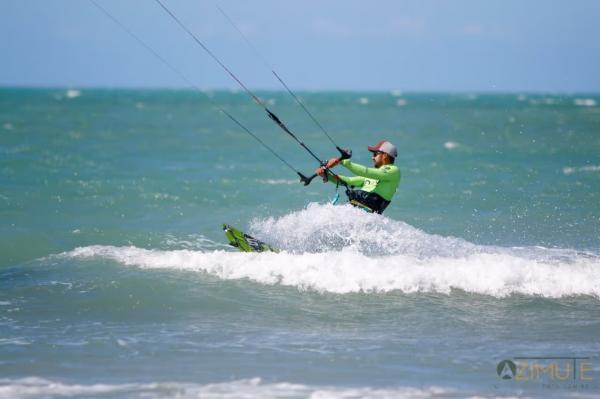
(378, 158)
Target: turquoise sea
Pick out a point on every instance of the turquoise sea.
(116, 280)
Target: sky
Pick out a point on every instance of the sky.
(417, 45)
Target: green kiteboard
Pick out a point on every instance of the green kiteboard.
(244, 242)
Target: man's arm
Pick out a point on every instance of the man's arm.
(386, 172)
(353, 181)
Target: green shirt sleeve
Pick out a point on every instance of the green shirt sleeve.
(354, 181)
(384, 173)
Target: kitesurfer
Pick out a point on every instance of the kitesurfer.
(371, 189)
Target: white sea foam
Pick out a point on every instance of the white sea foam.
(72, 93)
(192, 241)
(569, 170)
(14, 341)
(277, 181)
(157, 196)
(451, 145)
(363, 101)
(585, 102)
(551, 101)
(251, 388)
(343, 250)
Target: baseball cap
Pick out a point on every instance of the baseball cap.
(385, 146)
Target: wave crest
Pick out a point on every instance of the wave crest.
(343, 250)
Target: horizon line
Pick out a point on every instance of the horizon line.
(395, 91)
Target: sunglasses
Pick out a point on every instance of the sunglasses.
(375, 153)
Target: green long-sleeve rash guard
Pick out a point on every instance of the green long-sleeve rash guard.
(383, 180)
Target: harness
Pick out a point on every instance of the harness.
(370, 202)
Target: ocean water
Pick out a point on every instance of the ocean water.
(116, 280)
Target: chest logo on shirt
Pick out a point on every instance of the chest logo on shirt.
(369, 183)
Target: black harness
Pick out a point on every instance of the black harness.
(370, 202)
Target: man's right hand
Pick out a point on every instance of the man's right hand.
(330, 164)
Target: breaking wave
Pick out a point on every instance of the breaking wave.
(34, 387)
(343, 250)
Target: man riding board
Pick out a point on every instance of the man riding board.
(371, 189)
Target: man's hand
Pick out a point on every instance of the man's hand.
(333, 162)
(330, 164)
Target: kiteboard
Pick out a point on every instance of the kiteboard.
(244, 242)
